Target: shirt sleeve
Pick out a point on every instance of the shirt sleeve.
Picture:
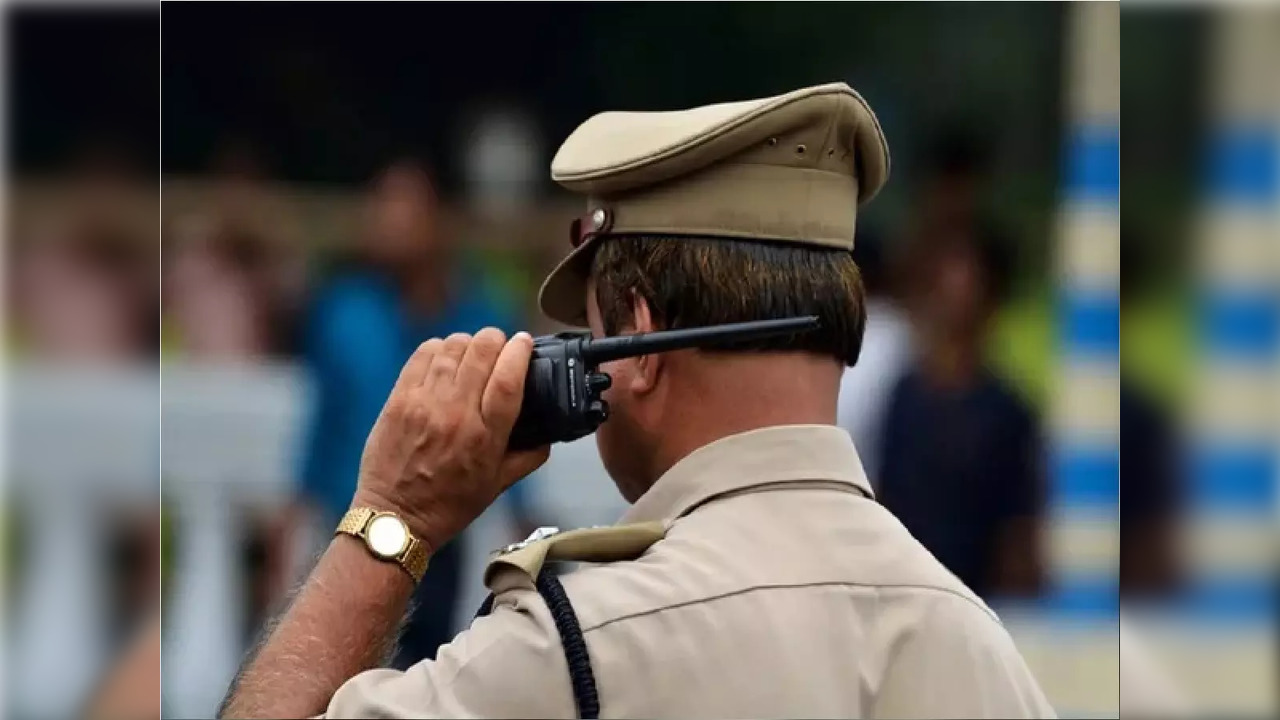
(509, 664)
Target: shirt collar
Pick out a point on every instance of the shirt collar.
(784, 453)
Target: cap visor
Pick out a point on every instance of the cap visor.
(563, 295)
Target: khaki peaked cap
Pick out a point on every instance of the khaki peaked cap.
(791, 168)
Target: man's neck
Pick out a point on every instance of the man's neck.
(716, 397)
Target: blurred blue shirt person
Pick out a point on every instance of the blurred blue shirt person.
(960, 454)
(358, 336)
(404, 286)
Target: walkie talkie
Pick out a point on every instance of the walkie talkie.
(562, 390)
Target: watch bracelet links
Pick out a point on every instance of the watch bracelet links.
(354, 521)
(413, 560)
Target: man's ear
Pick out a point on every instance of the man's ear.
(648, 367)
(641, 317)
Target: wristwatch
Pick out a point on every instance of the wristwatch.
(387, 538)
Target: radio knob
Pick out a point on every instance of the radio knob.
(597, 412)
(598, 383)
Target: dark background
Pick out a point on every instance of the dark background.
(1164, 78)
(79, 79)
(326, 92)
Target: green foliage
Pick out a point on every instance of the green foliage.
(1157, 338)
(1021, 346)
(1157, 345)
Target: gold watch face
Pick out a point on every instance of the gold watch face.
(387, 535)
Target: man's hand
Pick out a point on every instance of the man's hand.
(437, 455)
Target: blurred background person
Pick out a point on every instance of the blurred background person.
(84, 269)
(960, 455)
(78, 295)
(234, 272)
(1151, 485)
(403, 283)
(219, 293)
(1150, 566)
(244, 201)
(886, 351)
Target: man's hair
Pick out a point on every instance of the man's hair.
(696, 281)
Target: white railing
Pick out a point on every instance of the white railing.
(229, 438)
(84, 440)
(81, 440)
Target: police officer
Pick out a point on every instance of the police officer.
(754, 574)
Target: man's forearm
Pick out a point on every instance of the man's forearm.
(342, 622)
(436, 457)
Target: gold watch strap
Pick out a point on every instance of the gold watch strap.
(355, 520)
(413, 560)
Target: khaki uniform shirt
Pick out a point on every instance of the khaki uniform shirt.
(780, 590)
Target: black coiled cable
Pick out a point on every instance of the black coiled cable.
(581, 677)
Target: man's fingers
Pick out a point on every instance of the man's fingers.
(415, 369)
(445, 363)
(500, 403)
(477, 363)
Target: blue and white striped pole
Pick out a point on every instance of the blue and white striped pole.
(1072, 644)
(1222, 637)
(1085, 412)
(1231, 543)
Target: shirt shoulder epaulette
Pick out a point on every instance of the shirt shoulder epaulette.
(521, 563)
